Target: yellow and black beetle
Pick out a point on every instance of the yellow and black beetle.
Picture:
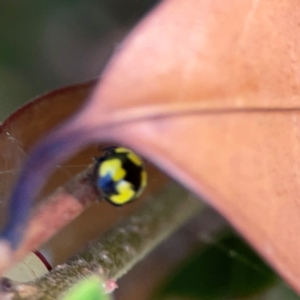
(120, 175)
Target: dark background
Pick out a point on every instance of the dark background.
(52, 43)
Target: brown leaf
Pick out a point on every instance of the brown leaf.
(222, 81)
(18, 133)
(208, 90)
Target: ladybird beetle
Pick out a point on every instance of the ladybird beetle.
(120, 175)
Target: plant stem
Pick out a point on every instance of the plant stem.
(118, 250)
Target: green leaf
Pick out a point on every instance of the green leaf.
(226, 269)
(88, 289)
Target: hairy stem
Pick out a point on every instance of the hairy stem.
(121, 247)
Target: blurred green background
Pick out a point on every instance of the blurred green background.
(47, 44)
